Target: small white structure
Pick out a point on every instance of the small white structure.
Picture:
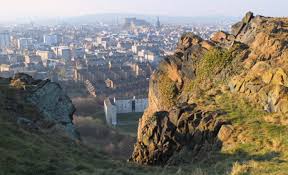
(122, 106)
(110, 112)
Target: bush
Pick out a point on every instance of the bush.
(213, 62)
(167, 91)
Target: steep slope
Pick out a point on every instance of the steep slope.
(237, 86)
(37, 135)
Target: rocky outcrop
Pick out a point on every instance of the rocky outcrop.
(167, 132)
(250, 61)
(264, 85)
(54, 107)
(265, 80)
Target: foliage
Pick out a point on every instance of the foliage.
(167, 91)
(213, 62)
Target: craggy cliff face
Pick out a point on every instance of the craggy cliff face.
(36, 104)
(251, 61)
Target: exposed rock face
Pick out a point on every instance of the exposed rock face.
(52, 104)
(250, 61)
(265, 85)
(265, 81)
(167, 132)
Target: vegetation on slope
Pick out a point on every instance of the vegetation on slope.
(34, 152)
(265, 144)
(167, 91)
(213, 62)
(255, 147)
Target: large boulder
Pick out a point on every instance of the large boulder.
(48, 98)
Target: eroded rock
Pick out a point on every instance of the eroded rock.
(166, 133)
(48, 99)
(254, 65)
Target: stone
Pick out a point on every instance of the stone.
(219, 37)
(267, 76)
(225, 132)
(283, 106)
(160, 142)
(280, 78)
(207, 45)
(50, 100)
(236, 28)
(248, 16)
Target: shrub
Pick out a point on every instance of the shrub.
(213, 62)
(167, 91)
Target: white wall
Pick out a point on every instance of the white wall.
(141, 104)
(110, 112)
(123, 106)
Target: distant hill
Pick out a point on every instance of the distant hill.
(114, 18)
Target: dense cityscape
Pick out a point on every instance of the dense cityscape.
(104, 58)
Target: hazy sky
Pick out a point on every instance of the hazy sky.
(14, 9)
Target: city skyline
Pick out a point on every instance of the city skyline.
(15, 10)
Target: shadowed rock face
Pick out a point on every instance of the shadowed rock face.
(49, 100)
(167, 132)
(250, 61)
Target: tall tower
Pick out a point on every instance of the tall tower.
(158, 24)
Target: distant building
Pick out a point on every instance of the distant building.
(50, 39)
(136, 48)
(33, 59)
(78, 52)
(151, 57)
(131, 23)
(110, 112)
(90, 88)
(158, 24)
(112, 108)
(4, 59)
(25, 43)
(15, 58)
(45, 55)
(62, 52)
(102, 41)
(4, 39)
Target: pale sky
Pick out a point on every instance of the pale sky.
(14, 9)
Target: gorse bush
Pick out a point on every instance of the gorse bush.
(213, 62)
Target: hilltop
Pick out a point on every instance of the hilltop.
(221, 104)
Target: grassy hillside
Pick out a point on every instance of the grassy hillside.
(35, 153)
(258, 146)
